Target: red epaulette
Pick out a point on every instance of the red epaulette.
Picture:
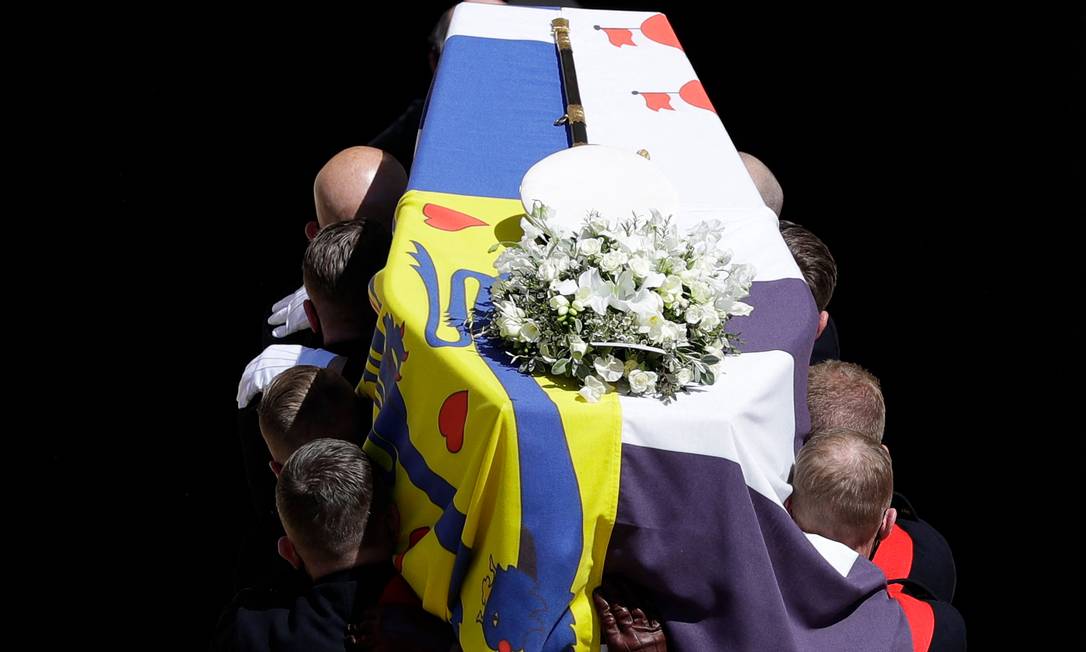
(919, 615)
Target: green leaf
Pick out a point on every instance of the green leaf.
(559, 367)
(582, 372)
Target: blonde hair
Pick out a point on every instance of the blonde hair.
(845, 395)
(842, 485)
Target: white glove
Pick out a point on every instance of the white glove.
(276, 359)
(288, 314)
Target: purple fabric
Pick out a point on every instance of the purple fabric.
(785, 318)
(754, 582)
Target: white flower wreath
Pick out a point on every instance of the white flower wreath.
(622, 305)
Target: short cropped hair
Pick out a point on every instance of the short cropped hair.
(814, 259)
(845, 395)
(842, 485)
(338, 265)
(323, 496)
(304, 403)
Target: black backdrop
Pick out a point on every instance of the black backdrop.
(889, 130)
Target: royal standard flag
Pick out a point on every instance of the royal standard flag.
(514, 494)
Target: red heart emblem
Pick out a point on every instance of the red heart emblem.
(446, 219)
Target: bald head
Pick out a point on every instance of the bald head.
(842, 487)
(359, 183)
(768, 186)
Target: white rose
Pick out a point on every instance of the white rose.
(701, 292)
(709, 320)
(694, 314)
(683, 376)
(642, 381)
(613, 260)
(608, 367)
(640, 265)
(560, 304)
(589, 246)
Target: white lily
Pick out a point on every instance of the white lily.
(645, 302)
(622, 291)
(593, 291)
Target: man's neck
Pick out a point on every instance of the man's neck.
(335, 336)
(365, 555)
(866, 550)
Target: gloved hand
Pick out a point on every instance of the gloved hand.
(626, 630)
(276, 359)
(288, 314)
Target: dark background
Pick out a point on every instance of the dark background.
(892, 132)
